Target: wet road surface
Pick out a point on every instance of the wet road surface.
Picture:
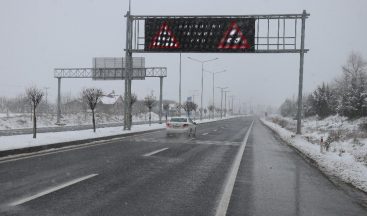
(151, 174)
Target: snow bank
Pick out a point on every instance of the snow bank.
(25, 141)
(343, 165)
(20, 121)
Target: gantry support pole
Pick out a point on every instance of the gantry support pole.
(58, 101)
(179, 90)
(160, 98)
(202, 91)
(128, 62)
(300, 85)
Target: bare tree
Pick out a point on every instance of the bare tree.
(166, 109)
(211, 109)
(356, 65)
(34, 96)
(178, 109)
(189, 106)
(133, 99)
(92, 96)
(149, 102)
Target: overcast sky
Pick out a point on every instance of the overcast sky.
(37, 36)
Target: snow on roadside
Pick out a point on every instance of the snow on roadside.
(25, 141)
(24, 120)
(345, 167)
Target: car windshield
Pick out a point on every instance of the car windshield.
(179, 120)
(235, 107)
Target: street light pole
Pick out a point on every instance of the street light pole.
(232, 105)
(225, 103)
(221, 100)
(46, 89)
(202, 81)
(193, 100)
(214, 73)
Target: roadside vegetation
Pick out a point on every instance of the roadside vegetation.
(334, 112)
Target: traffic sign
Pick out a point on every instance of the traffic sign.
(199, 34)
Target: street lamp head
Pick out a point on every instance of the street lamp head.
(212, 72)
(211, 60)
(220, 71)
(202, 62)
(222, 87)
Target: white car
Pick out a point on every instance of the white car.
(181, 125)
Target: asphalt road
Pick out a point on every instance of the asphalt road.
(151, 174)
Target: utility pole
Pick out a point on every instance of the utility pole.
(221, 100)
(202, 82)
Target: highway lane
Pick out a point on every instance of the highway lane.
(274, 180)
(151, 174)
(171, 182)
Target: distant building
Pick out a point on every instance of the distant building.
(74, 106)
(111, 103)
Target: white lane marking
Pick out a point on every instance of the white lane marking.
(24, 200)
(205, 134)
(155, 152)
(231, 178)
(215, 130)
(67, 148)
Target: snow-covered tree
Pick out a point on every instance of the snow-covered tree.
(149, 102)
(211, 109)
(34, 96)
(133, 100)
(166, 109)
(352, 88)
(189, 106)
(322, 101)
(92, 96)
(288, 108)
(308, 108)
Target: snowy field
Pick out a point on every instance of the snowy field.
(23, 120)
(347, 155)
(20, 121)
(25, 141)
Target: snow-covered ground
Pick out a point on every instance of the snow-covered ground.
(23, 120)
(25, 141)
(347, 155)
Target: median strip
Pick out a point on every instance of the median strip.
(155, 152)
(228, 187)
(27, 199)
